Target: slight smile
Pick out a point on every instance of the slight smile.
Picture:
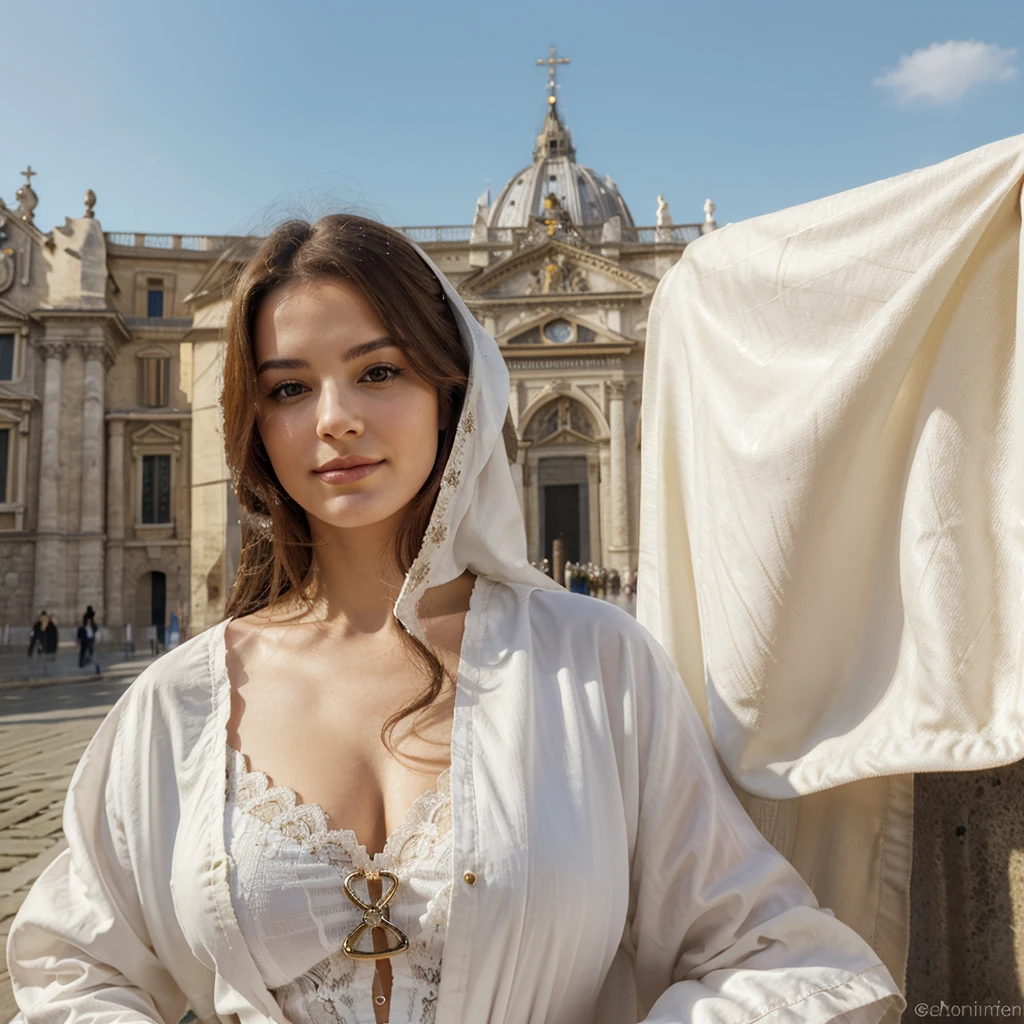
(347, 476)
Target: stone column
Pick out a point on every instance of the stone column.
(514, 403)
(48, 545)
(90, 546)
(618, 532)
(594, 505)
(115, 529)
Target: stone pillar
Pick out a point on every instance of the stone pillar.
(115, 529)
(91, 588)
(48, 544)
(514, 403)
(594, 506)
(618, 532)
(531, 508)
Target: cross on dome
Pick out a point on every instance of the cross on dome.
(552, 62)
(30, 174)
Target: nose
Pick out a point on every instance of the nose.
(338, 412)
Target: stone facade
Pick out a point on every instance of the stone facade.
(116, 489)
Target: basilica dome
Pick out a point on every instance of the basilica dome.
(585, 196)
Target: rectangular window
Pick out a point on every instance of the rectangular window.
(5, 443)
(156, 488)
(155, 298)
(154, 382)
(6, 357)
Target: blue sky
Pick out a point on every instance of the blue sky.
(223, 117)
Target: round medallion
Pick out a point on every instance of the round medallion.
(559, 331)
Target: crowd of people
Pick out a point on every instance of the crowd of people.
(44, 636)
(594, 580)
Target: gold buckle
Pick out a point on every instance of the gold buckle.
(374, 916)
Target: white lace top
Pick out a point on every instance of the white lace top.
(287, 872)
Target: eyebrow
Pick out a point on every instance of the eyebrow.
(355, 352)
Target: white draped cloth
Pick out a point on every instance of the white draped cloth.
(831, 522)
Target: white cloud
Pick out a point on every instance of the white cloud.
(941, 73)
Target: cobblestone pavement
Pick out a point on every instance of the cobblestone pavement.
(43, 732)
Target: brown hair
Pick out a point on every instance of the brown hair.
(277, 549)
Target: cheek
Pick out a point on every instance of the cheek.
(418, 417)
(283, 431)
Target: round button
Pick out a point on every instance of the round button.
(469, 878)
(380, 1000)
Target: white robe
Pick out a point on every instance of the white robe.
(616, 875)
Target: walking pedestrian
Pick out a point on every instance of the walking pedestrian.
(87, 640)
(36, 640)
(50, 636)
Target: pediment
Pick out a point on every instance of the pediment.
(156, 435)
(564, 437)
(527, 327)
(555, 269)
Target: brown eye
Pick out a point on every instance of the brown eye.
(279, 390)
(383, 373)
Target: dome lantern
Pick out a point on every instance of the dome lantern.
(583, 195)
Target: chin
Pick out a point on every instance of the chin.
(348, 514)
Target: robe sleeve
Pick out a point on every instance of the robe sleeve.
(722, 929)
(79, 949)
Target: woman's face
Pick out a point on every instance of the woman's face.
(332, 385)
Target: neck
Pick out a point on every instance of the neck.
(355, 580)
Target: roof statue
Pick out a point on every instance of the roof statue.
(26, 196)
(663, 221)
(709, 217)
(90, 201)
(663, 217)
(478, 232)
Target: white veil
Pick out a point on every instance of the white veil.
(477, 523)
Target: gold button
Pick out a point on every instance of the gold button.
(469, 878)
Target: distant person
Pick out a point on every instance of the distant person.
(87, 640)
(89, 621)
(36, 640)
(50, 637)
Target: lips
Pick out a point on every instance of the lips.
(347, 462)
(357, 469)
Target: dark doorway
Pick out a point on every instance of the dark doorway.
(562, 518)
(158, 600)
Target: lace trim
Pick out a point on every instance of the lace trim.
(439, 524)
(428, 821)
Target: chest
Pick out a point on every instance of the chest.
(312, 721)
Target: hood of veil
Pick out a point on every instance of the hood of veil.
(477, 523)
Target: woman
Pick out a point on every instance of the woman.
(551, 837)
